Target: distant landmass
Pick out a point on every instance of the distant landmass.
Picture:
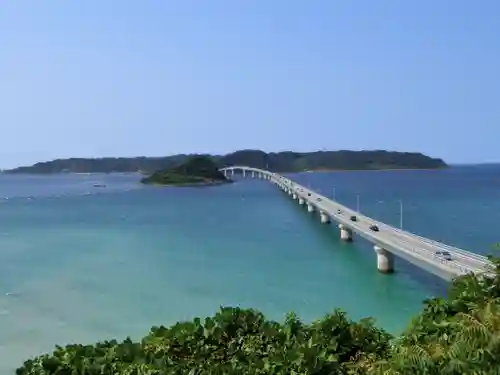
(197, 170)
(286, 161)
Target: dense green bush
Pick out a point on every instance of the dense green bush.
(234, 341)
(459, 335)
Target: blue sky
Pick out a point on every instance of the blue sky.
(124, 78)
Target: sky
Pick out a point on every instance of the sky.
(157, 77)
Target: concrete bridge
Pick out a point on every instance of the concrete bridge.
(388, 241)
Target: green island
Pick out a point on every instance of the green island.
(286, 161)
(197, 170)
(457, 335)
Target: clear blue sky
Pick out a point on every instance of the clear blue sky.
(124, 78)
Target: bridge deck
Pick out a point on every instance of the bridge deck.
(416, 249)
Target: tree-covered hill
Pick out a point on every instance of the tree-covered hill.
(197, 170)
(286, 161)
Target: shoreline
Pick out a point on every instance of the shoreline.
(369, 170)
(189, 184)
(7, 173)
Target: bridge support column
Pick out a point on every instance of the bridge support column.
(253, 174)
(345, 233)
(310, 207)
(301, 201)
(244, 173)
(294, 196)
(385, 260)
(325, 219)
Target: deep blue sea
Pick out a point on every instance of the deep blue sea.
(81, 264)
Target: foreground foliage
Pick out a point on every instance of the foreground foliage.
(459, 335)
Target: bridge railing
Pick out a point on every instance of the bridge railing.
(435, 244)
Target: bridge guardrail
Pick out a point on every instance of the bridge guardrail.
(422, 253)
(435, 244)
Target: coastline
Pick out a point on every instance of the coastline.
(189, 184)
(369, 170)
(280, 172)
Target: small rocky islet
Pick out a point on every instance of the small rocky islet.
(196, 171)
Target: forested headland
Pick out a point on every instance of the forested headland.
(286, 161)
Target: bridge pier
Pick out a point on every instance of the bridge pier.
(294, 196)
(301, 201)
(325, 219)
(244, 174)
(253, 174)
(345, 233)
(310, 207)
(385, 260)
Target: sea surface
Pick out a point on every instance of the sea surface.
(80, 263)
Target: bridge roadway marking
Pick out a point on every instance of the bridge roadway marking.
(416, 249)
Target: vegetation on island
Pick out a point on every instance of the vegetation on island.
(457, 335)
(286, 161)
(197, 170)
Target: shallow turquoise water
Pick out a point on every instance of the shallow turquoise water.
(80, 264)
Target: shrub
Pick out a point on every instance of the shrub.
(459, 335)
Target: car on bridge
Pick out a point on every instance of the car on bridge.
(354, 218)
(339, 211)
(443, 254)
(318, 199)
(308, 194)
(374, 228)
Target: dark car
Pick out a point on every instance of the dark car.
(318, 199)
(354, 218)
(374, 228)
(339, 211)
(308, 194)
(444, 254)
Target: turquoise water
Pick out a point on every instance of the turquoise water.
(80, 264)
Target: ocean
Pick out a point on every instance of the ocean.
(80, 263)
